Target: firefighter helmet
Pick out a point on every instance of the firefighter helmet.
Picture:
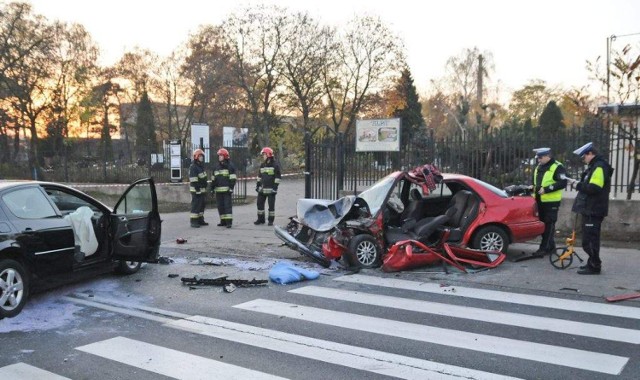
(268, 151)
(224, 153)
(197, 153)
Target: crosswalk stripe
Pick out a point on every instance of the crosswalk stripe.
(493, 295)
(169, 362)
(331, 352)
(545, 353)
(485, 315)
(22, 371)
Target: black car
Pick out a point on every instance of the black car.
(51, 234)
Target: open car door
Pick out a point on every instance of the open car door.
(135, 224)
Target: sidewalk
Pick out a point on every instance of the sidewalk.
(620, 275)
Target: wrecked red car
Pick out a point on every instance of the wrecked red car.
(410, 206)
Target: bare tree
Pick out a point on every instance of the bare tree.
(366, 61)
(255, 37)
(305, 53)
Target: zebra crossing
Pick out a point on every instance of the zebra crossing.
(323, 306)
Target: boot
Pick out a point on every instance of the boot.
(270, 223)
(195, 223)
(221, 224)
(202, 222)
(259, 221)
(229, 223)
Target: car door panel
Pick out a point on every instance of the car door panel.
(135, 224)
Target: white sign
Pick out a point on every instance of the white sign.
(235, 137)
(200, 139)
(378, 135)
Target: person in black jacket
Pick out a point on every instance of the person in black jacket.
(222, 184)
(549, 180)
(198, 189)
(267, 186)
(592, 203)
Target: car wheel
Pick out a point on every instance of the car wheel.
(491, 238)
(128, 267)
(365, 250)
(14, 288)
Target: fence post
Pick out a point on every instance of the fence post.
(340, 163)
(307, 164)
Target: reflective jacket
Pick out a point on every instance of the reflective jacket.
(197, 178)
(224, 177)
(548, 176)
(269, 177)
(593, 189)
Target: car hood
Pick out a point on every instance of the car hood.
(321, 214)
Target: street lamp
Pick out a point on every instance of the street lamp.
(610, 40)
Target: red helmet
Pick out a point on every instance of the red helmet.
(197, 153)
(224, 153)
(268, 151)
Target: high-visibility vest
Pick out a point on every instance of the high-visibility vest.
(547, 180)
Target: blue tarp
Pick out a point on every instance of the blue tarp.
(283, 272)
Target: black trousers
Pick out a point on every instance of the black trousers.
(197, 205)
(549, 216)
(272, 206)
(224, 203)
(591, 226)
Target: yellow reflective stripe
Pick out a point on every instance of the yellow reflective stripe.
(221, 189)
(226, 216)
(277, 180)
(597, 178)
(224, 172)
(232, 176)
(193, 179)
(267, 191)
(202, 175)
(267, 170)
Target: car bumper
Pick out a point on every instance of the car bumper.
(294, 244)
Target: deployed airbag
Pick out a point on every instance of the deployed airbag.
(83, 232)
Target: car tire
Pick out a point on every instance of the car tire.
(491, 238)
(365, 251)
(15, 289)
(128, 267)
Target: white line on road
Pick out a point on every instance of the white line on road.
(364, 359)
(545, 353)
(493, 295)
(169, 362)
(477, 314)
(22, 371)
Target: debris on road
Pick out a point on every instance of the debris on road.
(284, 272)
(222, 280)
(623, 297)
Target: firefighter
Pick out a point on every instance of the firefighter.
(224, 179)
(549, 180)
(267, 186)
(198, 189)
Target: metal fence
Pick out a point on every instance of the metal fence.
(501, 157)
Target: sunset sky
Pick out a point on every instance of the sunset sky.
(543, 39)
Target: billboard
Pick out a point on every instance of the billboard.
(378, 135)
(200, 139)
(235, 137)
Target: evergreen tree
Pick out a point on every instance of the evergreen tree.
(551, 120)
(145, 129)
(408, 109)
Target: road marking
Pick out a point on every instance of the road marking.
(169, 362)
(364, 359)
(477, 314)
(121, 310)
(545, 353)
(493, 295)
(22, 371)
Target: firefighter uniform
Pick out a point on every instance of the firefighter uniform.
(267, 186)
(198, 189)
(224, 180)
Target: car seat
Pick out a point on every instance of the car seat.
(462, 209)
(412, 211)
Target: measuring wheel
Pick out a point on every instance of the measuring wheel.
(562, 260)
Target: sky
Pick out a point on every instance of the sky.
(549, 40)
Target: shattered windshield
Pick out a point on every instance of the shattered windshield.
(376, 194)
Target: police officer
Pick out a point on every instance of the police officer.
(198, 189)
(592, 202)
(549, 180)
(267, 186)
(224, 180)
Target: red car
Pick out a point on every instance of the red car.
(480, 216)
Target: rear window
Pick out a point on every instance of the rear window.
(28, 203)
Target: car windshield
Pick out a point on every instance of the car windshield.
(376, 194)
(493, 189)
